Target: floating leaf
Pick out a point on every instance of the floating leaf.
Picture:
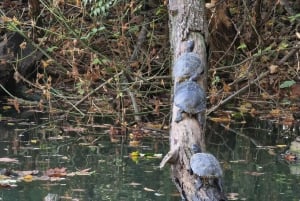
(8, 160)
(27, 178)
(134, 184)
(281, 145)
(254, 173)
(149, 189)
(158, 194)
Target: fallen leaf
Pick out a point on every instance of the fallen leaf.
(8, 160)
(254, 173)
(134, 184)
(273, 69)
(27, 178)
(149, 189)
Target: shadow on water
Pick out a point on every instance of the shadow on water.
(249, 154)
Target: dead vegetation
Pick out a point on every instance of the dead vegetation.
(117, 63)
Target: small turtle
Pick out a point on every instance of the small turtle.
(188, 65)
(189, 98)
(206, 167)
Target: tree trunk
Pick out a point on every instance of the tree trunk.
(188, 22)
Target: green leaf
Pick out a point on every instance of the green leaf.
(294, 17)
(287, 84)
(51, 49)
(283, 45)
(97, 61)
(242, 46)
(216, 80)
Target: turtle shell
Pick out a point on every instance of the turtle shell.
(187, 65)
(205, 165)
(190, 97)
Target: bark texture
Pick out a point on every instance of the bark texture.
(187, 22)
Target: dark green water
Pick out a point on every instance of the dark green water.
(253, 169)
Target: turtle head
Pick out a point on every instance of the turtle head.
(195, 149)
(189, 45)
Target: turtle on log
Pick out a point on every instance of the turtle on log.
(189, 65)
(189, 98)
(206, 167)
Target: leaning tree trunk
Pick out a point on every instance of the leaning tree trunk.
(187, 22)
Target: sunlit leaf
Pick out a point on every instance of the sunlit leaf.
(33, 141)
(6, 107)
(242, 46)
(282, 46)
(135, 153)
(281, 145)
(46, 63)
(27, 178)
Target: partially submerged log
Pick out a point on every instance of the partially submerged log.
(188, 23)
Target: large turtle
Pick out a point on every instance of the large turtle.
(206, 167)
(189, 98)
(189, 65)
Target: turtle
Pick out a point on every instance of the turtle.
(189, 65)
(206, 167)
(189, 98)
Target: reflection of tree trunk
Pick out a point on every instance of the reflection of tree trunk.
(187, 22)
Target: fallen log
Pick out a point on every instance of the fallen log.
(188, 23)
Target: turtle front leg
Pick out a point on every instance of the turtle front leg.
(179, 116)
(198, 183)
(220, 184)
(200, 119)
(194, 78)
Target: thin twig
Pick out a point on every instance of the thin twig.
(91, 93)
(212, 109)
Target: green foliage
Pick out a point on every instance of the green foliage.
(287, 84)
(216, 80)
(283, 45)
(242, 46)
(294, 17)
(51, 49)
(99, 7)
(93, 32)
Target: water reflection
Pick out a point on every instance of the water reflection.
(116, 176)
(249, 152)
(253, 168)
